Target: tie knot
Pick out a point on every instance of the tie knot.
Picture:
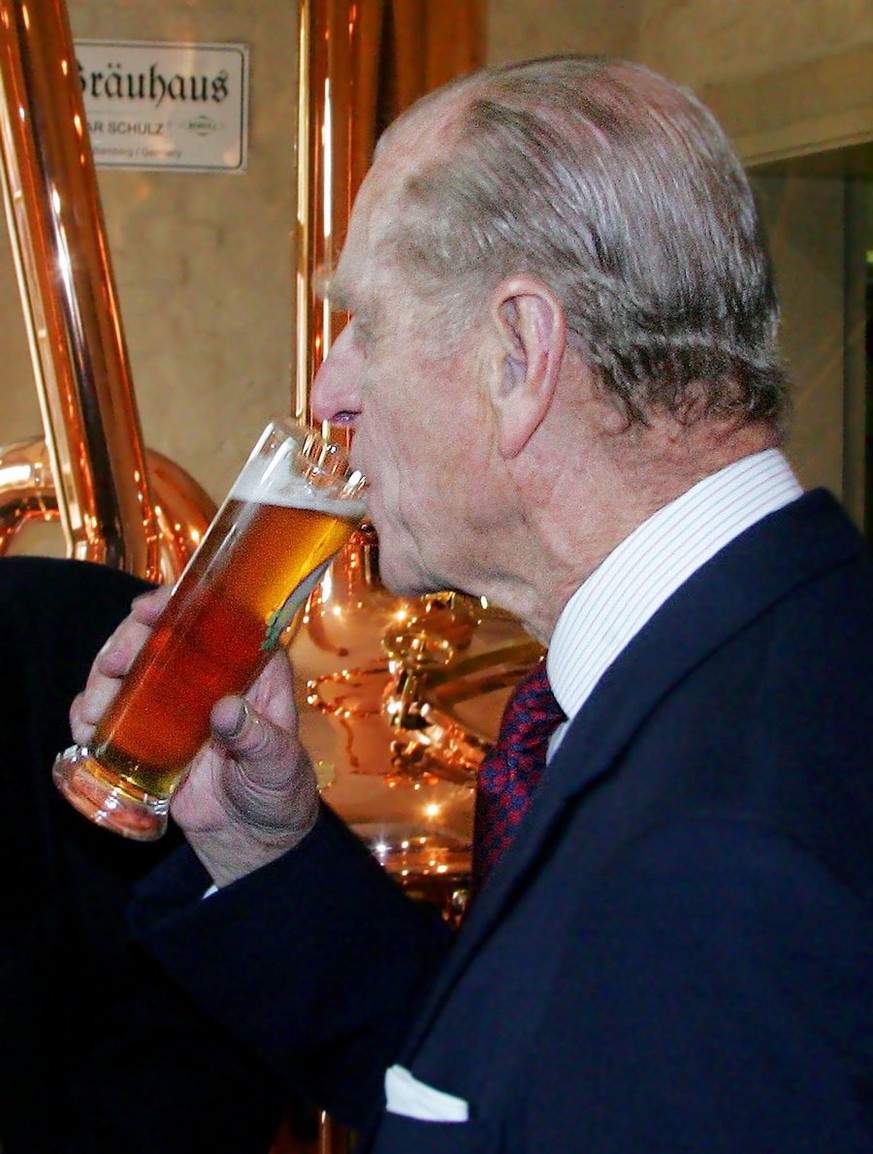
(532, 708)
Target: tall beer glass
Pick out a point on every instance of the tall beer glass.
(293, 506)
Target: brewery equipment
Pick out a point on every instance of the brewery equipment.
(116, 502)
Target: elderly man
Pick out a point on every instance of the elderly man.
(563, 375)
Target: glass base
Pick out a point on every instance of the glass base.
(108, 799)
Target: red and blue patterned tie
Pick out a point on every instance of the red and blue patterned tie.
(512, 768)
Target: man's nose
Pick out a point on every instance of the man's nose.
(335, 394)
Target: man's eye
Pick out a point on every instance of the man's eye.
(363, 332)
(328, 288)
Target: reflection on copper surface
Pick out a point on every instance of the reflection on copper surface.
(27, 496)
(26, 490)
(408, 790)
(399, 730)
(183, 510)
(334, 149)
(95, 471)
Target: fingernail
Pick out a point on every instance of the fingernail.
(241, 719)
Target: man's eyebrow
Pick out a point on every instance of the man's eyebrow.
(329, 286)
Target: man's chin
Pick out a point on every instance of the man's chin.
(405, 587)
(403, 580)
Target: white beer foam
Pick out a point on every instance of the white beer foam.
(270, 484)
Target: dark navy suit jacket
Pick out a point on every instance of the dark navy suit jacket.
(100, 1052)
(676, 954)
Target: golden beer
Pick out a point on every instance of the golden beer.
(286, 517)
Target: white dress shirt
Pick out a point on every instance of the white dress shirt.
(634, 581)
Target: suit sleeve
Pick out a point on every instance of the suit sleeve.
(315, 962)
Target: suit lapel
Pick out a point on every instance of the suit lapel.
(749, 576)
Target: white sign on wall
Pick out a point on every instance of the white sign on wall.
(161, 105)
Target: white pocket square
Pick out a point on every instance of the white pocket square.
(413, 1099)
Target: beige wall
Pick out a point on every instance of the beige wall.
(807, 232)
(780, 74)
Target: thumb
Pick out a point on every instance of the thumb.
(260, 780)
(268, 777)
(244, 733)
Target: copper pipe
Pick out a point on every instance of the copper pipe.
(338, 70)
(360, 63)
(26, 491)
(182, 508)
(77, 347)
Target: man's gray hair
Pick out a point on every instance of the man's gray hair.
(621, 193)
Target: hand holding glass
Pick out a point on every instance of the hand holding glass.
(293, 506)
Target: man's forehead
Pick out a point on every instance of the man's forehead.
(345, 279)
(409, 143)
(375, 208)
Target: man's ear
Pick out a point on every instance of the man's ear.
(531, 328)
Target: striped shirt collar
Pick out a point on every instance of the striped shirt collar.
(638, 576)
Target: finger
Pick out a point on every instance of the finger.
(112, 663)
(270, 783)
(243, 733)
(89, 706)
(272, 695)
(81, 729)
(148, 607)
(117, 654)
